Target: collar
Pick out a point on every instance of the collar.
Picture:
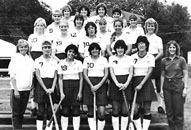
(176, 57)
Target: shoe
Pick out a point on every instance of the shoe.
(161, 110)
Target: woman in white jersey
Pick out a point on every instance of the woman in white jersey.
(143, 64)
(156, 49)
(67, 15)
(70, 83)
(46, 73)
(21, 68)
(121, 71)
(95, 70)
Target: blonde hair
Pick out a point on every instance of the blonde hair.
(151, 21)
(20, 42)
(172, 42)
(37, 21)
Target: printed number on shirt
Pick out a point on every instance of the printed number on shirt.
(86, 44)
(74, 35)
(41, 64)
(34, 40)
(50, 30)
(115, 61)
(90, 65)
(59, 42)
(64, 67)
(135, 60)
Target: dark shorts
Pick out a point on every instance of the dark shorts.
(147, 91)
(35, 54)
(40, 95)
(70, 89)
(157, 69)
(115, 94)
(101, 93)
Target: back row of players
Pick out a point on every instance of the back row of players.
(55, 51)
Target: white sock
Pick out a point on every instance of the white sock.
(124, 122)
(76, 123)
(92, 123)
(138, 124)
(50, 127)
(115, 123)
(39, 124)
(64, 122)
(146, 124)
(101, 124)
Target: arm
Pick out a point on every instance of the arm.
(129, 49)
(185, 80)
(60, 82)
(79, 97)
(162, 82)
(85, 73)
(54, 82)
(13, 81)
(160, 54)
(129, 77)
(37, 72)
(108, 49)
(114, 78)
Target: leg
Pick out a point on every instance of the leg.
(101, 117)
(124, 117)
(40, 116)
(115, 114)
(147, 115)
(76, 117)
(91, 121)
(169, 108)
(64, 117)
(136, 117)
(49, 115)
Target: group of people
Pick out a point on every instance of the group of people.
(90, 60)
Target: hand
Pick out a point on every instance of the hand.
(62, 96)
(50, 90)
(79, 96)
(16, 93)
(139, 87)
(162, 94)
(184, 93)
(95, 88)
(123, 87)
(119, 85)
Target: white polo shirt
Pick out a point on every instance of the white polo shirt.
(95, 66)
(47, 68)
(21, 68)
(70, 71)
(85, 43)
(120, 65)
(155, 43)
(52, 31)
(141, 65)
(35, 42)
(104, 39)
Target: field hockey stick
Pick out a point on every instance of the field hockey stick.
(53, 112)
(131, 125)
(94, 94)
(125, 99)
(57, 108)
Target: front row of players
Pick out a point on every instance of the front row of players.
(125, 73)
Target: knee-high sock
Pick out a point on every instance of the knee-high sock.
(115, 123)
(39, 124)
(101, 124)
(146, 121)
(137, 123)
(50, 127)
(124, 122)
(76, 123)
(92, 123)
(64, 122)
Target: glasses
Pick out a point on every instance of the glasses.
(46, 47)
(102, 23)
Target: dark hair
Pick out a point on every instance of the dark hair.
(86, 8)
(101, 5)
(116, 10)
(94, 45)
(78, 17)
(120, 43)
(118, 20)
(88, 25)
(46, 43)
(144, 40)
(175, 44)
(134, 17)
(72, 47)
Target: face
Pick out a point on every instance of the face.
(66, 13)
(120, 51)
(57, 17)
(116, 15)
(133, 22)
(64, 27)
(91, 30)
(150, 28)
(83, 12)
(23, 48)
(70, 54)
(79, 23)
(172, 49)
(95, 52)
(118, 26)
(46, 49)
(101, 11)
(40, 27)
(142, 46)
(102, 26)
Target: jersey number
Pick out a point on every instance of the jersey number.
(64, 67)
(90, 65)
(86, 44)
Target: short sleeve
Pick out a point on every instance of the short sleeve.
(85, 63)
(184, 65)
(37, 64)
(151, 61)
(12, 66)
(80, 68)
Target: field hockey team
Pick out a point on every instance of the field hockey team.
(94, 61)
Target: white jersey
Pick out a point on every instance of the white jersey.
(120, 65)
(85, 43)
(52, 31)
(21, 68)
(104, 39)
(155, 43)
(35, 42)
(47, 68)
(95, 66)
(70, 71)
(141, 65)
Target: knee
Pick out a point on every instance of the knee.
(76, 111)
(65, 112)
(101, 115)
(115, 111)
